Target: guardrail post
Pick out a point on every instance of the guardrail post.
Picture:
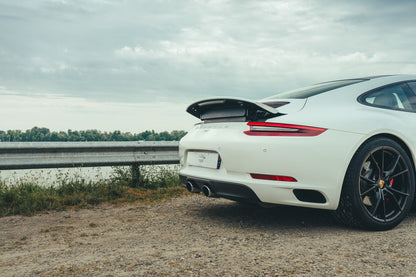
(135, 175)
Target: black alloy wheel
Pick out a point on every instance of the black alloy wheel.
(378, 188)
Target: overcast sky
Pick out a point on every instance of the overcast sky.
(134, 65)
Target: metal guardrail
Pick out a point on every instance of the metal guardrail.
(28, 155)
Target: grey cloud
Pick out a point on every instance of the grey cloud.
(184, 50)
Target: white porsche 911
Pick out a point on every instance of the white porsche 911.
(345, 145)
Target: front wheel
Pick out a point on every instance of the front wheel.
(378, 188)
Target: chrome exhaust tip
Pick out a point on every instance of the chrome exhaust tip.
(207, 191)
(191, 188)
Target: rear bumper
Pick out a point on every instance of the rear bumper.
(261, 191)
(317, 163)
(232, 191)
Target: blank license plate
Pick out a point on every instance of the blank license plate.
(203, 159)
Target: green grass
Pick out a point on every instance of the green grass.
(125, 185)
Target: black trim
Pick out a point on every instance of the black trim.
(311, 196)
(230, 110)
(232, 191)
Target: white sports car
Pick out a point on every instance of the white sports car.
(345, 145)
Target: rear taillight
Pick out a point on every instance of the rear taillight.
(273, 177)
(278, 129)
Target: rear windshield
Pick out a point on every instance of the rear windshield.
(314, 90)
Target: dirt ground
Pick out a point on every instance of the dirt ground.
(198, 236)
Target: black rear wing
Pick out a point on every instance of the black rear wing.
(231, 110)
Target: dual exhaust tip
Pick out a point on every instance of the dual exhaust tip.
(206, 190)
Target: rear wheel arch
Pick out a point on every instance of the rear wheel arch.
(396, 139)
(381, 135)
(347, 211)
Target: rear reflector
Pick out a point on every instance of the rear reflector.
(278, 129)
(273, 177)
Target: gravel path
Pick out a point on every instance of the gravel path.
(197, 236)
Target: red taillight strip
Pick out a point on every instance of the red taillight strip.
(273, 177)
(279, 129)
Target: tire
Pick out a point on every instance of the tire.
(378, 188)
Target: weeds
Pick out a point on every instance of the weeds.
(153, 178)
(145, 183)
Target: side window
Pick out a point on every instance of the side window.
(395, 97)
(412, 96)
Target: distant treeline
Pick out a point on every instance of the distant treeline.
(44, 134)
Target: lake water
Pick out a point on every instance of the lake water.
(52, 177)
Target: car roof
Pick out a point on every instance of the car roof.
(359, 78)
(351, 85)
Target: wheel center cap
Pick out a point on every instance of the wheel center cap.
(381, 183)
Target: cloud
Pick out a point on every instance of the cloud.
(58, 112)
(58, 67)
(171, 49)
(181, 51)
(132, 52)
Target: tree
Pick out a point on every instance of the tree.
(44, 134)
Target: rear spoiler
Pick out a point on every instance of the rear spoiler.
(231, 109)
